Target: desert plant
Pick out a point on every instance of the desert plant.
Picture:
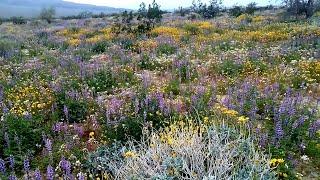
(236, 11)
(47, 14)
(251, 8)
(182, 11)
(18, 20)
(193, 151)
(301, 7)
(207, 11)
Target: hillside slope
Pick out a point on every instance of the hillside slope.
(31, 8)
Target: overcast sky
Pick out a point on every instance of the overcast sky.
(165, 4)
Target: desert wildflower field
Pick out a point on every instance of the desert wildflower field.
(186, 98)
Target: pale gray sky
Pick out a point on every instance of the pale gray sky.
(165, 4)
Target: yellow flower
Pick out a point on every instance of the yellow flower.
(230, 112)
(275, 162)
(91, 134)
(243, 119)
(129, 154)
(206, 120)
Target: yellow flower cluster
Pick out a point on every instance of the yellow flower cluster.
(146, 45)
(74, 42)
(243, 119)
(258, 19)
(231, 113)
(274, 162)
(73, 35)
(70, 33)
(243, 18)
(30, 100)
(107, 33)
(167, 31)
(169, 135)
(205, 25)
(310, 71)
(94, 39)
(227, 111)
(129, 154)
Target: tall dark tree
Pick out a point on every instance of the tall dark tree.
(207, 11)
(47, 14)
(301, 7)
(251, 8)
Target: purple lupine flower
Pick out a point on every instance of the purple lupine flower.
(11, 162)
(57, 127)
(263, 140)
(299, 122)
(79, 130)
(48, 145)
(50, 173)
(12, 177)
(66, 112)
(37, 174)
(17, 140)
(65, 166)
(80, 176)
(2, 166)
(278, 130)
(26, 165)
(161, 103)
(314, 127)
(146, 80)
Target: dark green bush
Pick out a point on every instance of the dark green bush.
(18, 20)
(166, 49)
(83, 54)
(127, 129)
(192, 29)
(99, 47)
(24, 134)
(236, 11)
(77, 109)
(6, 48)
(251, 8)
(101, 81)
(229, 68)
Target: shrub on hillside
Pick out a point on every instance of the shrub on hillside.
(47, 14)
(18, 20)
(236, 11)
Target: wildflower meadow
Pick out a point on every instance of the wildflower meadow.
(171, 96)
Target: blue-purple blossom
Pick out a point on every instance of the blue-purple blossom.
(314, 127)
(65, 166)
(66, 112)
(26, 165)
(37, 175)
(11, 162)
(278, 130)
(299, 122)
(13, 177)
(50, 173)
(81, 176)
(2, 166)
(48, 145)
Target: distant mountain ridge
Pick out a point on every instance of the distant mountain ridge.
(32, 8)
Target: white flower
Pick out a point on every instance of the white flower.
(305, 158)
